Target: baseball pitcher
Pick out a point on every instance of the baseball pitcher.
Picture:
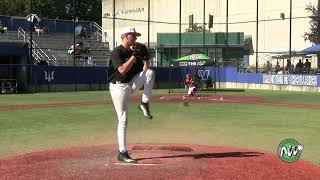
(128, 71)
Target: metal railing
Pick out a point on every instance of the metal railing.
(97, 30)
(55, 60)
(22, 32)
(37, 52)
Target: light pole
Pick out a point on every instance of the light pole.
(74, 34)
(290, 30)
(257, 35)
(227, 30)
(318, 39)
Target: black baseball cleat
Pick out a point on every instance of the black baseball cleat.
(124, 157)
(144, 107)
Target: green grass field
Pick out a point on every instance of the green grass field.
(254, 127)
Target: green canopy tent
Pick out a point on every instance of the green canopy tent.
(193, 60)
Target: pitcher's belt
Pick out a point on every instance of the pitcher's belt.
(118, 82)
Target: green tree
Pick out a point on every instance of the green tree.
(314, 34)
(89, 10)
(13, 7)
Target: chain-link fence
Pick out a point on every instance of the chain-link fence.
(231, 32)
(234, 33)
(254, 36)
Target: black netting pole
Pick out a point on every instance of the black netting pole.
(31, 19)
(179, 49)
(114, 24)
(227, 29)
(74, 35)
(204, 26)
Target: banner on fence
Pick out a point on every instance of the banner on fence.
(291, 79)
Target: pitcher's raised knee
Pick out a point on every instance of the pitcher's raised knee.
(150, 74)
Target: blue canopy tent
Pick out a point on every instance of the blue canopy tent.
(315, 49)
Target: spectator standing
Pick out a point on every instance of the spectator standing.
(288, 67)
(307, 66)
(269, 67)
(277, 67)
(299, 67)
(83, 33)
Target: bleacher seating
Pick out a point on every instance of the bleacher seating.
(57, 44)
(10, 36)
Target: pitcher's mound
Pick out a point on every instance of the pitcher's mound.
(156, 161)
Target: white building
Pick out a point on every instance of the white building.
(273, 32)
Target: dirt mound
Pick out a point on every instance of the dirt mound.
(156, 161)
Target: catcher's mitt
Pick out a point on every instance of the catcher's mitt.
(141, 51)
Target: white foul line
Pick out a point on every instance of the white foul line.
(133, 164)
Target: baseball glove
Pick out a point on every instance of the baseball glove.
(141, 51)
